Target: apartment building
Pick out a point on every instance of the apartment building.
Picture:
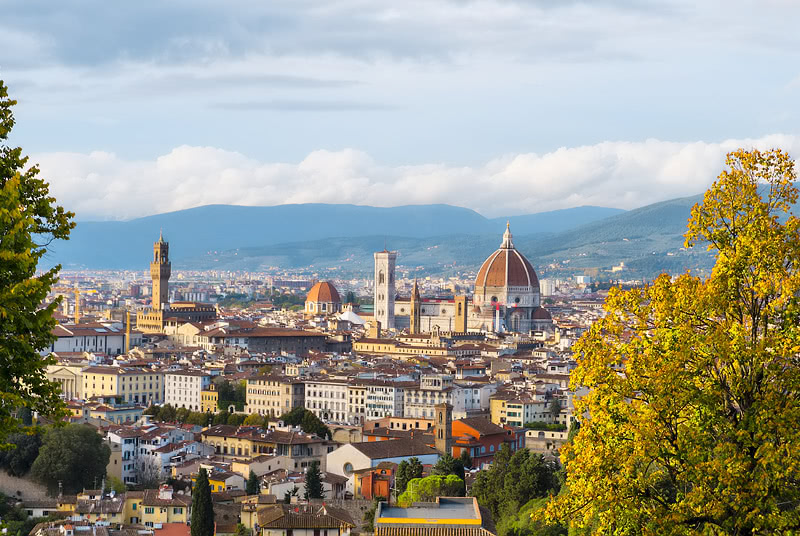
(356, 403)
(420, 401)
(516, 409)
(140, 386)
(327, 399)
(274, 395)
(184, 388)
(384, 398)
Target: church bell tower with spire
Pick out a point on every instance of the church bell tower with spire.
(415, 323)
(160, 270)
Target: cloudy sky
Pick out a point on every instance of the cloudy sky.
(506, 107)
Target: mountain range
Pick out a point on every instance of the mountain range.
(214, 229)
(429, 239)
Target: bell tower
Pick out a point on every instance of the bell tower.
(443, 428)
(416, 302)
(160, 270)
(384, 288)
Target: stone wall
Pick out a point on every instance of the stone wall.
(28, 489)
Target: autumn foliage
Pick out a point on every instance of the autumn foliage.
(692, 417)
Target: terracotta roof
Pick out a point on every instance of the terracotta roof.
(483, 426)
(323, 292)
(305, 516)
(393, 448)
(506, 267)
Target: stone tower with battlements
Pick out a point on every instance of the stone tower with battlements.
(384, 288)
(160, 270)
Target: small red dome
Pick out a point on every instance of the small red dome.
(323, 292)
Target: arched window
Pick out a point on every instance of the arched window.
(381, 278)
(491, 448)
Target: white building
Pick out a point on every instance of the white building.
(94, 338)
(182, 388)
(351, 457)
(419, 402)
(383, 399)
(477, 395)
(327, 399)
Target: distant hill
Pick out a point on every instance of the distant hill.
(201, 234)
(648, 240)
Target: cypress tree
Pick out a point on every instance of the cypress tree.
(314, 482)
(253, 486)
(202, 508)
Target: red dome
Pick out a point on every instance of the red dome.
(323, 292)
(506, 267)
(540, 313)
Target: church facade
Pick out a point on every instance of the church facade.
(506, 297)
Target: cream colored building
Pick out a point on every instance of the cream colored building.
(69, 378)
(140, 386)
(274, 395)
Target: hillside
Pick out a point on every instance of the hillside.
(648, 240)
(204, 232)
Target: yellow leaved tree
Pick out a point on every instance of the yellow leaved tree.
(692, 417)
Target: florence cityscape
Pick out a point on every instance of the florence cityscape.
(443, 267)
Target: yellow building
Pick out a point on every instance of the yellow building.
(517, 409)
(274, 395)
(209, 399)
(139, 386)
(155, 507)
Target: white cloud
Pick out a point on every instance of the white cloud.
(101, 185)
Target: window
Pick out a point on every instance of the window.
(180, 510)
(148, 510)
(134, 506)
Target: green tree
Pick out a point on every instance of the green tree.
(221, 418)
(555, 407)
(513, 480)
(29, 221)
(202, 507)
(152, 410)
(254, 419)
(17, 461)
(414, 468)
(428, 488)
(314, 488)
(253, 486)
(181, 414)
(167, 413)
(310, 423)
(401, 478)
(447, 465)
(693, 383)
(75, 455)
(368, 519)
(116, 485)
(242, 530)
(287, 497)
(465, 459)
(236, 419)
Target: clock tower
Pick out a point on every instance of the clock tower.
(160, 270)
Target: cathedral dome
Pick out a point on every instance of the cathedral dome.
(506, 267)
(540, 313)
(323, 292)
